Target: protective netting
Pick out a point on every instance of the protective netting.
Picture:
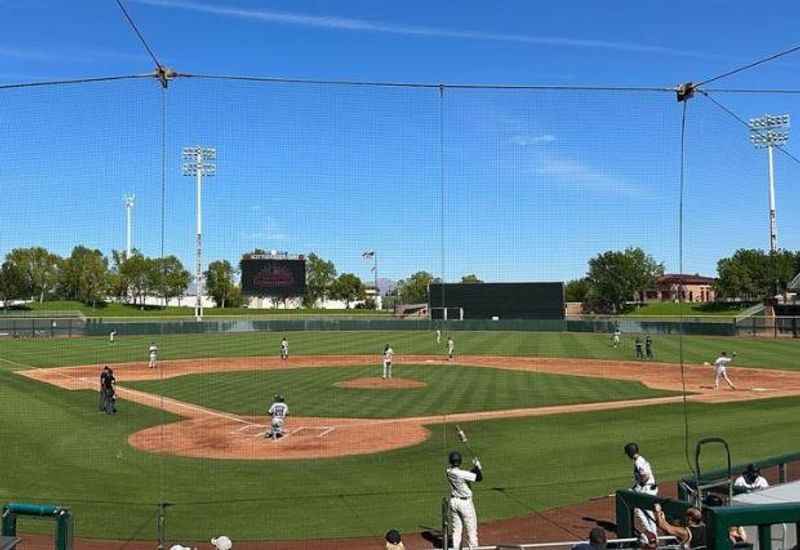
(508, 185)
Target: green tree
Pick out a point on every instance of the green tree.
(40, 270)
(320, 276)
(84, 276)
(348, 288)
(615, 277)
(470, 279)
(220, 281)
(173, 280)
(12, 283)
(136, 274)
(115, 281)
(414, 290)
(752, 274)
(576, 290)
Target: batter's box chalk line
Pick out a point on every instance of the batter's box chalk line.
(260, 430)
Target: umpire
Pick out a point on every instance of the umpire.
(107, 393)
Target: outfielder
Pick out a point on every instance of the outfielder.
(643, 482)
(111, 336)
(278, 411)
(153, 351)
(615, 338)
(462, 509)
(388, 354)
(438, 336)
(451, 347)
(721, 369)
(284, 349)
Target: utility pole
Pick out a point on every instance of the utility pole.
(196, 164)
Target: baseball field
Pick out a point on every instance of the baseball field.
(547, 413)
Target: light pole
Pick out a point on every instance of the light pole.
(128, 201)
(371, 254)
(770, 131)
(196, 164)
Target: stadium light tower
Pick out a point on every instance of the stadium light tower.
(128, 201)
(770, 131)
(196, 163)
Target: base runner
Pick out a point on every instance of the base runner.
(462, 509)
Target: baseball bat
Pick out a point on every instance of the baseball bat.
(463, 438)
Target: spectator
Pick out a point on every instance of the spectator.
(737, 534)
(750, 480)
(393, 540)
(691, 536)
(597, 540)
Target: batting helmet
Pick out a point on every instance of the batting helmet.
(454, 458)
(393, 536)
(278, 397)
(631, 449)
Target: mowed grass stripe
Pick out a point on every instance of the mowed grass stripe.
(450, 389)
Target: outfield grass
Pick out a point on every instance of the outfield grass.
(110, 309)
(57, 448)
(720, 309)
(450, 389)
(46, 352)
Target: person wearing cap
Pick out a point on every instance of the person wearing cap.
(393, 540)
(222, 543)
(690, 536)
(597, 540)
(750, 480)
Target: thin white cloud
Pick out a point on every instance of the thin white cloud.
(72, 56)
(570, 172)
(526, 141)
(271, 232)
(353, 24)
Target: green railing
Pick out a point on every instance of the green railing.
(764, 516)
(62, 516)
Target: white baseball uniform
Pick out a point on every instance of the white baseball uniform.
(644, 482)
(451, 347)
(617, 335)
(438, 336)
(278, 411)
(111, 336)
(462, 509)
(284, 349)
(388, 353)
(758, 484)
(153, 350)
(721, 371)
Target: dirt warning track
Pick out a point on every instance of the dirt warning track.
(208, 433)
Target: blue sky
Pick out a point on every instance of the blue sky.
(535, 182)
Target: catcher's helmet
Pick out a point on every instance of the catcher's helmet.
(278, 397)
(393, 536)
(631, 449)
(454, 458)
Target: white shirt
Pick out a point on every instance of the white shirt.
(284, 345)
(451, 346)
(643, 472)
(759, 483)
(722, 362)
(388, 354)
(459, 481)
(153, 349)
(278, 410)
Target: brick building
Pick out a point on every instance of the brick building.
(673, 287)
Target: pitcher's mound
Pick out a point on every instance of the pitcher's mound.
(378, 383)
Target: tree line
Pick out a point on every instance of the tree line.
(614, 278)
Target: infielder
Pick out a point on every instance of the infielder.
(615, 338)
(721, 370)
(153, 351)
(648, 347)
(438, 336)
(451, 348)
(278, 411)
(388, 354)
(111, 336)
(284, 349)
(643, 482)
(462, 509)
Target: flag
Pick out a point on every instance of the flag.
(368, 254)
